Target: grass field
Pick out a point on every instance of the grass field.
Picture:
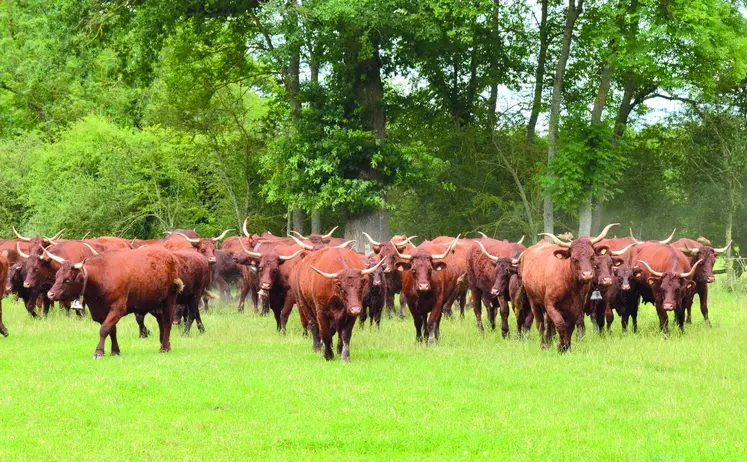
(241, 390)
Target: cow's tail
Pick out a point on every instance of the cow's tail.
(179, 285)
(210, 295)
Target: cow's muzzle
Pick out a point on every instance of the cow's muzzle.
(606, 282)
(354, 310)
(626, 287)
(587, 275)
(424, 287)
(212, 260)
(495, 292)
(50, 295)
(668, 306)
(26, 285)
(711, 279)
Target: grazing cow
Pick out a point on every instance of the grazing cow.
(3, 277)
(483, 258)
(665, 279)
(120, 282)
(557, 279)
(492, 275)
(700, 250)
(429, 283)
(386, 252)
(374, 297)
(274, 264)
(328, 287)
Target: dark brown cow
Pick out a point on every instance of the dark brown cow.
(374, 297)
(328, 287)
(16, 276)
(665, 279)
(484, 258)
(4, 264)
(205, 246)
(700, 250)
(386, 252)
(120, 282)
(226, 273)
(195, 274)
(429, 283)
(557, 279)
(232, 246)
(604, 269)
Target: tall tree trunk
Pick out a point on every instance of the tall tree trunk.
(298, 224)
(492, 103)
(574, 10)
(539, 75)
(316, 222)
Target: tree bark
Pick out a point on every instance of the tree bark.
(539, 75)
(574, 10)
(298, 224)
(492, 103)
(316, 222)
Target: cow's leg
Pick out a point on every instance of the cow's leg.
(326, 334)
(663, 319)
(192, 311)
(539, 321)
(634, 314)
(140, 318)
(115, 313)
(377, 316)
(477, 307)
(564, 328)
(115, 343)
(390, 305)
(3, 329)
(364, 314)
(687, 303)
(345, 334)
(46, 304)
(505, 310)
(402, 305)
(198, 318)
(492, 311)
(463, 303)
(609, 316)
(433, 324)
(167, 313)
(242, 295)
(30, 304)
(703, 297)
(418, 320)
(624, 319)
(286, 312)
(679, 317)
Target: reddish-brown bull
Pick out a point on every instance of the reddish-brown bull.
(557, 279)
(205, 246)
(386, 252)
(700, 250)
(120, 282)
(597, 306)
(328, 287)
(26, 244)
(429, 283)
(195, 273)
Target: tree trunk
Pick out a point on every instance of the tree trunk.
(298, 224)
(316, 222)
(492, 102)
(584, 216)
(539, 75)
(571, 15)
(375, 223)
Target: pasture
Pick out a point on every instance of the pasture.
(243, 391)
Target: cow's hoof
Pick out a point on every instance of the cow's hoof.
(164, 350)
(115, 353)
(4, 331)
(98, 355)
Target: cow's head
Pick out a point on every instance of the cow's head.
(268, 267)
(68, 284)
(669, 287)
(582, 253)
(388, 250)
(37, 243)
(16, 275)
(422, 265)
(206, 246)
(37, 267)
(625, 275)
(320, 240)
(349, 285)
(375, 279)
(605, 264)
(707, 255)
(504, 268)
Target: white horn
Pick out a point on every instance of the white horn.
(485, 252)
(669, 239)
(370, 239)
(193, 241)
(290, 257)
(604, 232)
(301, 244)
(326, 275)
(555, 239)
(216, 239)
(25, 256)
(651, 270)
(617, 253)
(368, 271)
(93, 251)
(23, 238)
(723, 249)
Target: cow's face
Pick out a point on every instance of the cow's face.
(625, 276)
(603, 267)
(704, 272)
(207, 248)
(38, 271)
(582, 255)
(68, 284)
(16, 275)
(349, 286)
(669, 289)
(375, 279)
(268, 268)
(422, 267)
(504, 269)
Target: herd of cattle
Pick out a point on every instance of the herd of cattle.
(555, 284)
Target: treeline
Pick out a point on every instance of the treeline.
(422, 117)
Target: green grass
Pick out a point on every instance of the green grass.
(241, 391)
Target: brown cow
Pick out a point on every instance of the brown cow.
(205, 246)
(107, 243)
(328, 287)
(665, 279)
(195, 273)
(483, 258)
(375, 295)
(322, 239)
(460, 259)
(386, 252)
(429, 283)
(557, 279)
(700, 250)
(4, 264)
(27, 244)
(120, 282)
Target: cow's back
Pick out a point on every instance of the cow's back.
(661, 257)
(544, 275)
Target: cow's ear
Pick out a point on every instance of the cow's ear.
(652, 281)
(438, 265)
(562, 254)
(617, 261)
(376, 248)
(637, 272)
(690, 285)
(602, 250)
(402, 265)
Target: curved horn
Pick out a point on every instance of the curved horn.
(326, 275)
(485, 252)
(723, 249)
(80, 266)
(25, 256)
(692, 270)
(556, 240)
(405, 242)
(301, 244)
(243, 228)
(517, 260)
(604, 232)
(54, 257)
(58, 235)
(520, 240)
(633, 237)
(85, 236)
(669, 239)
(290, 257)
(370, 239)
(651, 270)
(329, 234)
(344, 244)
(216, 239)
(687, 250)
(403, 256)
(189, 239)
(448, 249)
(368, 271)
(93, 251)
(249, 252)
(483, 234)
(23, 238)
(300, 236)
(617, 253)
